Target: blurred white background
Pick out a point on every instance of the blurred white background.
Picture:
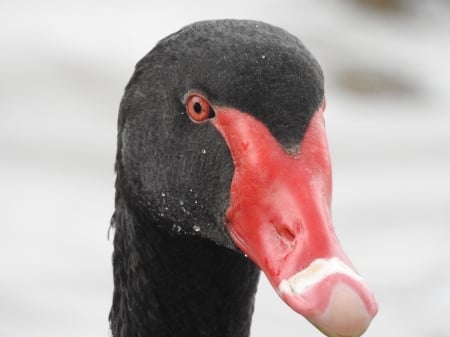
(63, 67)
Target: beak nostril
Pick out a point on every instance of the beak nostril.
(285, 233)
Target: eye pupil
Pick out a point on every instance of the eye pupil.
(197, 107)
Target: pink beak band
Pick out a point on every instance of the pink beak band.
(280, 216)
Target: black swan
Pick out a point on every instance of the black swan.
(222, 171)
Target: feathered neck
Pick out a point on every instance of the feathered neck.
(171, 285)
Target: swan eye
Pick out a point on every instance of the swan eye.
(198, 108)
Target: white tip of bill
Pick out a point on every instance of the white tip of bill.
(332, 296)
(317, 271)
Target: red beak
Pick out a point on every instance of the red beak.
(279, 216)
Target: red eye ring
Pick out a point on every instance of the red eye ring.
(198, 108)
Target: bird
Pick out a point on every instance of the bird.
(223, 170)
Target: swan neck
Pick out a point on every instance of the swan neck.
(172, 285)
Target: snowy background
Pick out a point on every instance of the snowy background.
(63, 67)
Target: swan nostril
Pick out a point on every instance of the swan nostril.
(286, 234)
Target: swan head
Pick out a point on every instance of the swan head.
(221, 136)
